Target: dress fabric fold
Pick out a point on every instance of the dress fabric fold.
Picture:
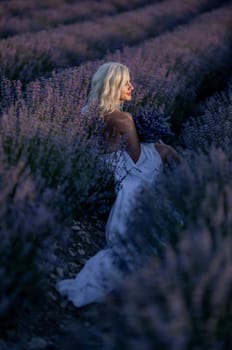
(100, 275)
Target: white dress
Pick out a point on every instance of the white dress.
(100, 275)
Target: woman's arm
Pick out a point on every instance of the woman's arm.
(123, 123)
(167, 153)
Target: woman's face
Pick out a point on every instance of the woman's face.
(126, 90)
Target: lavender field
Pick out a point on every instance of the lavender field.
(56, 192)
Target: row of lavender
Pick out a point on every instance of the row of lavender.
(48, 153)
(23, 16)
(28, 56)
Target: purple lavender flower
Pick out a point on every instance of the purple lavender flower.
(151, 123)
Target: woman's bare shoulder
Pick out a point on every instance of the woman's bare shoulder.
(118, 117)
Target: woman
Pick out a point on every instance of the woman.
(135, 167)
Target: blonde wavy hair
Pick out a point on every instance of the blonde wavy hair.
(106, 86)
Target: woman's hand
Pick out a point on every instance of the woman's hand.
(167, 153)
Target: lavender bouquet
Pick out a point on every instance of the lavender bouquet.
(151, 123)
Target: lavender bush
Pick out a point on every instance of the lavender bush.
(181, 302)
(151, 123)
(214, 126)
(65, 153)
(27, 230)
(10, 91)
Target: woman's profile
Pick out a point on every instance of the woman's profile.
(136, 166)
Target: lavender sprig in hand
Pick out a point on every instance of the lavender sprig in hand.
(151, 124)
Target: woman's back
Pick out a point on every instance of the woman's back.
(120, 125)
